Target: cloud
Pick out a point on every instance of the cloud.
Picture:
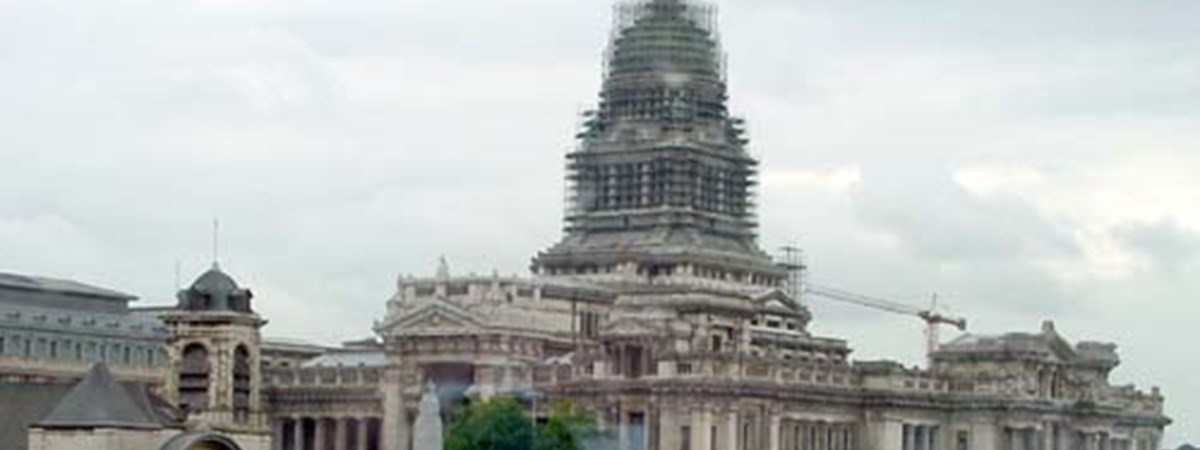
(1021, 162)
(1166, 244)
(933, 216)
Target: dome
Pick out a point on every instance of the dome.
(214, 281)
(215, 290)
(672, 36)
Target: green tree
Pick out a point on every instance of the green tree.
(502, 424)
(497, 424)
(566, 428)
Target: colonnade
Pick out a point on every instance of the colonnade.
(921, 437)
(815, 435)
(325, 433)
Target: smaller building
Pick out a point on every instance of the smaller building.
(99, 413)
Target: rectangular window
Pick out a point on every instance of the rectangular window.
(963, 440)
(685, 438)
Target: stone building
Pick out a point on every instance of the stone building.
(657, 310)
(52, 331)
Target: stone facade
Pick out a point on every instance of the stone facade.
(659, 312)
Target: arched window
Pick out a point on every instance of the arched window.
(241, 384)
(194, 378)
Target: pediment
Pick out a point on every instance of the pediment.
(776, 299)
(432, 316)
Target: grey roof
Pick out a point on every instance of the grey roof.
(374, 358)
(79, 322)
(98, 401)
(22, 404)
(45, 284)
(215, 290)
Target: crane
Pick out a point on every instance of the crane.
(797, 287)
(933, 319)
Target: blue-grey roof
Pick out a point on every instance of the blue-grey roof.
(215, 290)
(99, 402)
(46, 284)
(122, 325)
(28, 290)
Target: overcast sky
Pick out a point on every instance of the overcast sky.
(1023, 159)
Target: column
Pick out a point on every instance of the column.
(910, 437)
(622, 429)
(773, 439)
(362, 433)
(339, 433)
(277, 434)
(319, 440)
(701, 429)
(395, 425)
(731, 434)
(669, 428)
(298, 434)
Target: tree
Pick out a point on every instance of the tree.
(501, 424)
(497, 424)
(566, 428)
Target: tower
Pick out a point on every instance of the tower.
(661, 182)
(662, 205)
(213, 346)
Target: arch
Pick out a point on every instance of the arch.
(200, 441)
(242, 383)
(194, 377)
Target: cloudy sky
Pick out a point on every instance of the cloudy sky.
(1023, 159)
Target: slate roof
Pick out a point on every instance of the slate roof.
(45, 284)
(22, 404)
(98, 401)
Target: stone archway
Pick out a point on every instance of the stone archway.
(200, 441)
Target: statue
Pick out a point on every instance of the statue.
(428, 428)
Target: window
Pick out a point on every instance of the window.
(193, 378)
(127, 357)
(54, 349)
(685, 438)
(28, 350)
(963, 440)
(241, 384)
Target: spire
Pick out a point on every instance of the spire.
(216, 242)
